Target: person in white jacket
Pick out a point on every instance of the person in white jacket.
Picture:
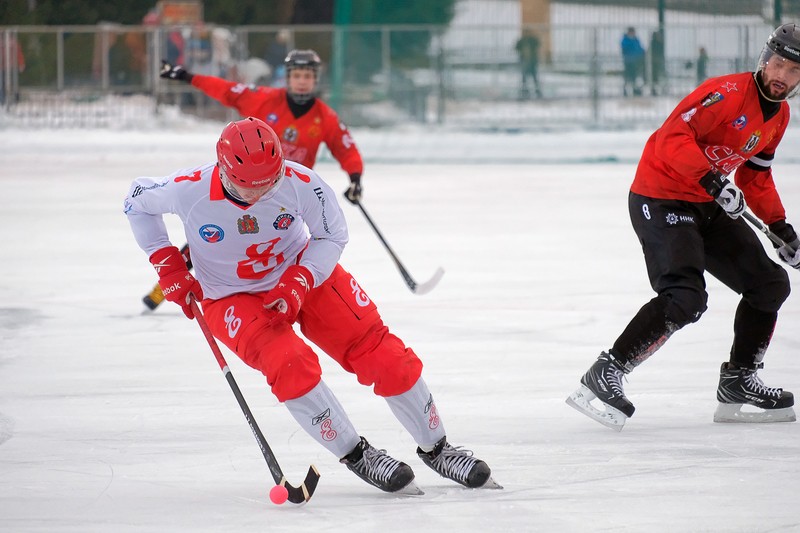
(266, 236)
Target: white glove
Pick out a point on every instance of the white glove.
(790, 253)
(731, 199)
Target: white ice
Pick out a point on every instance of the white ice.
(115, 421)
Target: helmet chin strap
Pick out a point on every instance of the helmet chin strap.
(764, 94)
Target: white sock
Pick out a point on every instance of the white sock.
(321, 415)
(417, 412)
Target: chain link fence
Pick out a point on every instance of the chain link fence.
(378, 76)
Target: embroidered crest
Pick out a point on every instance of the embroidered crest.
(739, 123)
(290, 134)
(247, 224)
(712, 98)
(752, 142)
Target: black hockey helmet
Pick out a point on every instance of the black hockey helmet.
(297, 59)
(783, 43)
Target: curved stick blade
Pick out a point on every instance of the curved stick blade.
(304, 492)
(424, 288)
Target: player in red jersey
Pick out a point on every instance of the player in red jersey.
(686, 213)
(298, 116)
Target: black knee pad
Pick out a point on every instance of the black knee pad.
(684, 306)
(770, 294)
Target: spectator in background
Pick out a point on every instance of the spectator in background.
(658, 66)
(17, 64)
(198, 51)
(528, 49)
(702, 66)
(633, 63)
(176, 46)
(275, 55)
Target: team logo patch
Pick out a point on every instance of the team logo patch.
(272, 118)
(712, 98)
(739, 123)
(290, 134)
(752, 142)
(283, 221)
(689, 114)
(211, 233)
(247, 224)
(673, 219)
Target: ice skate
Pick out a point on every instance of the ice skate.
(380, 470)
(459, 465)
(740, 387)
(603, 382)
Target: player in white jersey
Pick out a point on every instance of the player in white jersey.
(266, 235)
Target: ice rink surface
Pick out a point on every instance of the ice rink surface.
(111, 420)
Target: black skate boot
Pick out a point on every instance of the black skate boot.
(603, 381)
(379, 469)
(458, 465)
(739, 386)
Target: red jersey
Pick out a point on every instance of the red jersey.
(300, 137)
(720, 125)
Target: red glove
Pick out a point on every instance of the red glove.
(288, 295)
(174, 278)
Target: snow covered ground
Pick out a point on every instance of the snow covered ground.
(111, 420)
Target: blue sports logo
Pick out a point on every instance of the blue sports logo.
(211, 233)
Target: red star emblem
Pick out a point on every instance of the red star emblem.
(728, 86)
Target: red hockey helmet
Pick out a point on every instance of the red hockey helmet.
(250, 158)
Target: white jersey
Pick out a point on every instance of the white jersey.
(242, 248)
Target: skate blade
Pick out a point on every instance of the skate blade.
(610, 417)
(412, 489)
(732, 413)
(491, 484)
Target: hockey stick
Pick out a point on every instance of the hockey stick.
(763, 228)
(154, 298)
(299, 494)
(416, 288)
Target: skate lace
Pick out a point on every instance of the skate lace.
(614, 378)
(757, 386)
(455, 462)
(376, 464)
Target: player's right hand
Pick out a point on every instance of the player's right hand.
(174, 278)
(174, 72)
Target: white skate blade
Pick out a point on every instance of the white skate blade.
(732, 412)
(491, 484)
(412, 489)
(610, 417)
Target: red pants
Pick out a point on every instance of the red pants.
(338, 317)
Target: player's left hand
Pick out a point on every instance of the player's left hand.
(353, 193)
(287, 297)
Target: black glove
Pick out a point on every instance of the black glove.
(727, 195)
(175, 72)
(789, 252)
(353, 192)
